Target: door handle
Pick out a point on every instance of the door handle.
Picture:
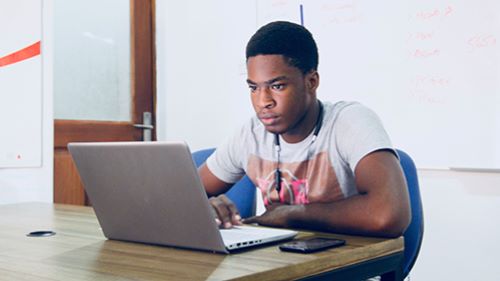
(144, 126)
(147, 127)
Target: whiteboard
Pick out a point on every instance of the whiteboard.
(20, 83)
(430, 69)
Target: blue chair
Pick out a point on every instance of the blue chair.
(415, 231)
(241, 193)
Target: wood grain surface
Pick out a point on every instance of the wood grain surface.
(79, 251)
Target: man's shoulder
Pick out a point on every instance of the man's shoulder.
(343, 109)
(342, 106)
(348, 109)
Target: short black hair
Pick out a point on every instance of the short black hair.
(291, 40)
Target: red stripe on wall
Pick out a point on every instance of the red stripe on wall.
(23, 54)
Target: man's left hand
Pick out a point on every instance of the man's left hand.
(276, 215)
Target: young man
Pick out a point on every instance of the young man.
(319, 165)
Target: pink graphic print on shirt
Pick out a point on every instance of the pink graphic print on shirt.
(304, 182)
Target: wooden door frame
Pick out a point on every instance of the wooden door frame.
(143, 80)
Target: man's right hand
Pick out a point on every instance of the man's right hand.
(226, 213)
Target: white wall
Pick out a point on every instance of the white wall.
(461, 226)
(35, 184)
(201, 71)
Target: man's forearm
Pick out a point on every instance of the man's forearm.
(381, 207)
(355, 215)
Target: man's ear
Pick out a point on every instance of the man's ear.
(312, 81)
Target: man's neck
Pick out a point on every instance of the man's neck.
(305, 126)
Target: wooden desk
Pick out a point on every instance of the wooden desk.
(79, 251)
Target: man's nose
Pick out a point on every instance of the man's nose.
(265, 98)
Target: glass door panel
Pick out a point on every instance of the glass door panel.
(92, 60)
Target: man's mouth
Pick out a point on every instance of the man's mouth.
(268, 119)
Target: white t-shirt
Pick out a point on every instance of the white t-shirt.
(319, 171)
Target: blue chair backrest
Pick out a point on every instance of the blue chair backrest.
(415, 231)
(241, 193)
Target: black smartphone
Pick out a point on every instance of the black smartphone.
(311, 245)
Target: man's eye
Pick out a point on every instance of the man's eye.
(252, 88)
(277, 87)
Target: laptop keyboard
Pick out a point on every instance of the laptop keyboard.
(247, 233)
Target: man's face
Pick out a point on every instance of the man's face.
(281, 94)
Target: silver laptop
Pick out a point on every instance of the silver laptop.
(150, 192)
